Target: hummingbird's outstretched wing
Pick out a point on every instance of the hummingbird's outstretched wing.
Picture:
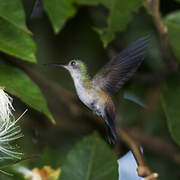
(117, 71)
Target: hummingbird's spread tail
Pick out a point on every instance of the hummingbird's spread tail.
(110, 125)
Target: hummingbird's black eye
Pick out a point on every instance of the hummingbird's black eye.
(73, 63)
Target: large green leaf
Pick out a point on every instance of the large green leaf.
(173, 23)
(17, 83)
(60, 11)
(119, 16)
(171, 103)
(15, 38)
(13, 12)
(90, 159)
(16, 42)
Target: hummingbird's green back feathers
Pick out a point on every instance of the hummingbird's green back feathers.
(117, 71)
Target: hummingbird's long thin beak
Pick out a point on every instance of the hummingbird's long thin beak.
(57, 65)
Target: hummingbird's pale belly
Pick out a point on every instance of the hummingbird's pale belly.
(90, 98)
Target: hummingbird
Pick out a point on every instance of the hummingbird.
(96, 92)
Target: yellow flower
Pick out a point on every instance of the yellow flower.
(46, 173)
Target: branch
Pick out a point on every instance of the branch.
(152, 7)
(142, 169)
(155, 144)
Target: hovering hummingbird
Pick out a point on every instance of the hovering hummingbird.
(96, 92)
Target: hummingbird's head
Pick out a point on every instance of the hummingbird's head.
(76, 68)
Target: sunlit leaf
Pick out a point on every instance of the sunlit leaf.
(13, 12)
(15, 37)
(171, 103)
(17, 83)
(90, 159)
(173, 23)
(59, 11)
(16, 42)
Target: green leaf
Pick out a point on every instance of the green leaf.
(16, 42)
(17, 83)
(13, 12)
(119, 16)
(60, 11)
(90, 159)
(171, 102)
(173, 23)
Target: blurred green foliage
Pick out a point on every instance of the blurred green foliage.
(81, 29)
(172, 21)
(86, 162)
(170, 93)
(19, 84)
